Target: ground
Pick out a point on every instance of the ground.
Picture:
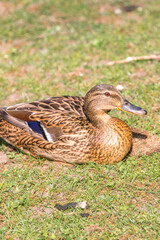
(54, 48)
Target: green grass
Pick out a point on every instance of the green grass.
(53, 48)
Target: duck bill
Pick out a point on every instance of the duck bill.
(129, 107)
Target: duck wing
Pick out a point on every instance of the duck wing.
(50, 118)
(65, 104)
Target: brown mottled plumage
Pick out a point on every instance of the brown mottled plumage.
(71, 129)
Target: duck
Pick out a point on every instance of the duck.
(71, 129)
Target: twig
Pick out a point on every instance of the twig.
(133, 59)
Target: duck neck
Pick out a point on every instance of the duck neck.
(99, 119)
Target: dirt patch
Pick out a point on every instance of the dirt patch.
(156, 107)
(32, 8)
(140, 73)
(5, 47)
(39, 211)
(11, 47)
(144, 143)
(94, 228)
(134, 16)
(6, 8)
(127, 236)
(117, 20)
(24, 70)
(4, 160)
(11, 99)
(104, 8)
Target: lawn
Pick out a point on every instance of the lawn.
(54, 48)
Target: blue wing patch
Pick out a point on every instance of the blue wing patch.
(36, 127)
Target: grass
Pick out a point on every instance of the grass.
(53, 48)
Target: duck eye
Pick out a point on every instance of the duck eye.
(107, 94)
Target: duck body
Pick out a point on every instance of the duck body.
(71, 129)
(112, 142)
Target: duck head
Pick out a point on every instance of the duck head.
(102, 98)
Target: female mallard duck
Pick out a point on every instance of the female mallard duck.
(71, 129)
